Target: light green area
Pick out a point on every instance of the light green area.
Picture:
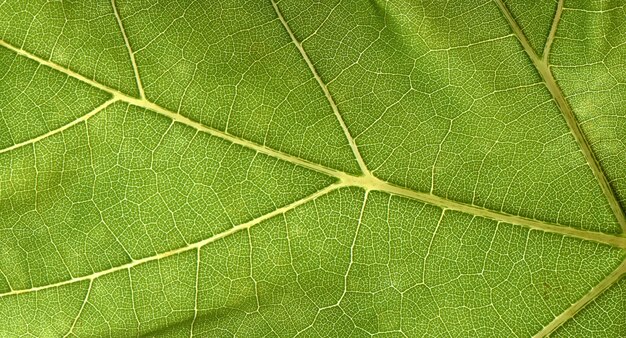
(237, 71)
(463, 115)
(589, 62)
(80, 35)
(230, 202)
(129, 184)
(340, 267)
(535, 19)
(36, 99)
(604, 317)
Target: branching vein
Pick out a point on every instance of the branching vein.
(62, 128)
(555, 24)
(543, 67)
(80, 311)
(368, 182)
(331, 101)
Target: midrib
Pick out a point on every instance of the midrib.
(367, 182)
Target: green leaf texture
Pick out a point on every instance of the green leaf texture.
(309, 168)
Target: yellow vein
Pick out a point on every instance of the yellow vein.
(543, 68)
(192, 246)
(178, 117)
(80, 311)
(130, 50)
(366, 182)
(517, 30)
(58, 68)
(329, 97)
(233, 139)
(555, 24)
(372, 183)
(586, 299)
(62, 128)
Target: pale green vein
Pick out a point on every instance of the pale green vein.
(543, 68)
(195, 302)
(192, 246)
(555, 25)
(582, 302)
(352, 246)
(430, 244)
(80, 311)
(368, 181)
(62, 128)
(345, 277)
(329, 97)
(132, 298)
(130, 50)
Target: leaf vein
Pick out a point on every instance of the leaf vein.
(118, 18)
(329, 97)
(594, 293)
(62, 128)
(192, 246)
(368, 182)
(543, 68)
(552, 34)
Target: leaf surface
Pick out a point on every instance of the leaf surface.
(333, 168)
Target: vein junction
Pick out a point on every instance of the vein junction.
(543, 68)
(366, 181)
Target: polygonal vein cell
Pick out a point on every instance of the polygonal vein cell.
(36, 99)
(130, 182)
(241, 76)
(464, 116)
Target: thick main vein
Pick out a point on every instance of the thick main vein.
(373, 183)
(367, 181)
(192, 246)
(175, 116)
(543, 68)
(329, 97)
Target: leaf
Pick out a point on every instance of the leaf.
(336, 168)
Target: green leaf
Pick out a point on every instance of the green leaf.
(305, 168)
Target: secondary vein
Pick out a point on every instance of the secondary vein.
(192, 246)
(62, 128)
(130, 50)
(555, 24)
(368, 182)
(594, 293)
(329, 97)
(543, 68)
